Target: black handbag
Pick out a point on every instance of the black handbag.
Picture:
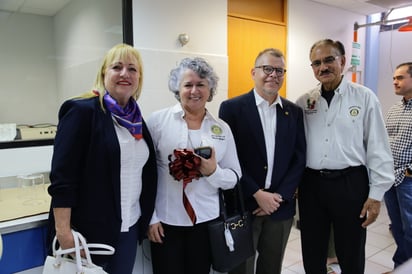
(231, 235)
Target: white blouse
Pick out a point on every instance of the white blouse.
(169, 131)
(133, 156)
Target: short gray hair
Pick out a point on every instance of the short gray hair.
(200, 67)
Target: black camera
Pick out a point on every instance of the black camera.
(204, 152)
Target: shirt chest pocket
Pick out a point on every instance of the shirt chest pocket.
(350, 119)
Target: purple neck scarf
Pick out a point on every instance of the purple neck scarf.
(129, 117)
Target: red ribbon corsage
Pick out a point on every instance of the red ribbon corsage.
(184, 165)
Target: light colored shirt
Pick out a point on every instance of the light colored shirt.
(169, 131)
(133, 156)
(399, 126)
(268, 115)
(350, 132)
(405, 268)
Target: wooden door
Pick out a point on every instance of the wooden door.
(252, 27)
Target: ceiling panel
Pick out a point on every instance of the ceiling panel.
(51, 7)
(365, 7)
(389, 4)
(39, 7)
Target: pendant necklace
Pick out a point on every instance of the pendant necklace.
(196, 135)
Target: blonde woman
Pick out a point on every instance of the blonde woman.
(103, 175)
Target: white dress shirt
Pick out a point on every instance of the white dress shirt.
(169, 131)
(350, 132)
(268, 119)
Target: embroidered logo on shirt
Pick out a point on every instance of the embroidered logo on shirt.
(216, 130)
(217, 133)
(354, 111)
(310, 103)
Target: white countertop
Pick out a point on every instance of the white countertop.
(23, 223)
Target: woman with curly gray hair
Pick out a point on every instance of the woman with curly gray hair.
(198, 65)
(186, 203)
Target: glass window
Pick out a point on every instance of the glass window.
(392, 22)
(51, 51)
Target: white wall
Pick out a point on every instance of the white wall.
(309, 22)
(155, 35)
(394, 49)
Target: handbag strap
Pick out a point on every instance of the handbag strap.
(81, 244)
(59, 254)
(240, 203)
(100, 249)
(80, 241)
(94, 249)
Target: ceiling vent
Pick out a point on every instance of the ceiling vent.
(390, 4)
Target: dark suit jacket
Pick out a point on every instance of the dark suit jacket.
(85, 173)
(243, 118)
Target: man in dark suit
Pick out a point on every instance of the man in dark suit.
(270, 140)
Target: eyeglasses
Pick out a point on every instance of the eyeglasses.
(269, 70)
(327, 61)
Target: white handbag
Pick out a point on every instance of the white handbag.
(60, 263)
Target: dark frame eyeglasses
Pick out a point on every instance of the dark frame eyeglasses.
(268, 70)
(327, 61)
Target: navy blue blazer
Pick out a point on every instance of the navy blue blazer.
(85, 173)
(243, 118)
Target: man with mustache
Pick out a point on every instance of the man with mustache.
(349, 163)
(270, 141)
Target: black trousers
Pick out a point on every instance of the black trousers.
(335, 198)
(185, 250)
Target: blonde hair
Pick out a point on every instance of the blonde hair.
(118, 52)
